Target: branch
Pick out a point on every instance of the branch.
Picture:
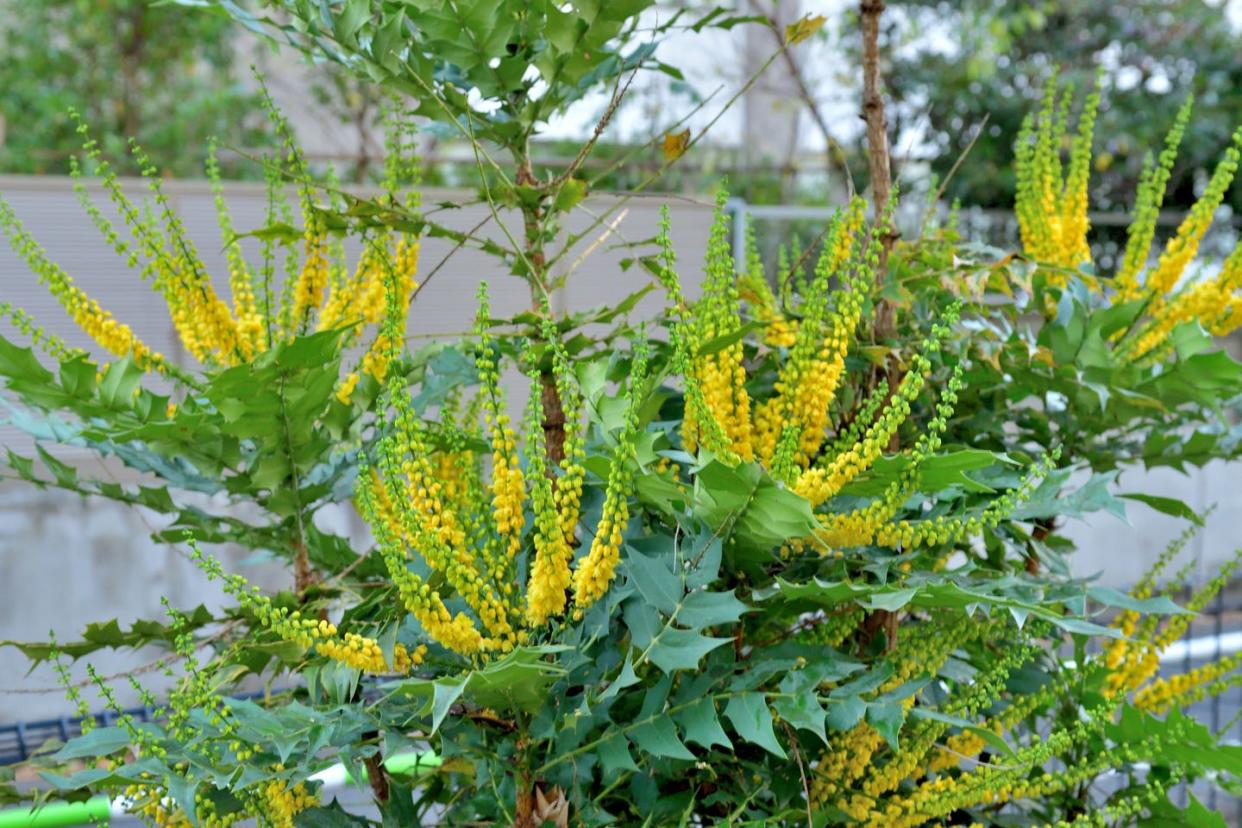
(831, 144)
(879, 160)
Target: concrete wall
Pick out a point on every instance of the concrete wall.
(1121, 551)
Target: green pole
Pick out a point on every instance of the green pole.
(99, 808)
(58, 814)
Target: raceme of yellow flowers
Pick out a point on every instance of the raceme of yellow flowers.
(273, 801)
(312, 634)
(1051, 208)
(1132, 660)
(427, 497)
(928, 775)
(320, 290)
(790, 431)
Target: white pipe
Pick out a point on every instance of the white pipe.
(1207, 646)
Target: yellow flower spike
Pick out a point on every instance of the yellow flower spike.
(115, 337)
(204, 317)
(508, 486)
(1148, 200)
(365, 655)
(345, 391)
(700, 427)
(818, 484)
(251, 325)
(456, 633)
(809, 380)
(1052, 210)
(567, 489)
(779, 330)
(282, 802)
(312, 279)
(597, 568)
(719, 375)
(392, 288)
(1074, 222)
(549, 572)
(436, 532)
(1185, 244)
(360, 297)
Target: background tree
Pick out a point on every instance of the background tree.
(132, 69)
(966, 60)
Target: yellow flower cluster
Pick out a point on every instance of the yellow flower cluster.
(716, 364)
(1052, 217)
(550, 575)
(275, 802)
(281, 802)
(850, 774)
(474, 533)
(318, 634)
(794, 421)
(790, 431)
(365, 654)
(1130, 662)
(779, 329)
(1052, 209)
(699, 425)
(925, 780)
(598, 568)
(115, 337)
(153, 805)
(1181, 689)
(212, 331)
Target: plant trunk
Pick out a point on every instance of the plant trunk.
(879, 163)
(303, 574)
(553, 421)
(524, 807)
(550, 397)
(377, 776)
(879, 160)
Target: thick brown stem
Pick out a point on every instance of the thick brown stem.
(377, 776)
(550, 396)
(553, 420)
(876, 622)
(879, 159)
(524, 807)
(303, 574)
(1043, 528)
(879, 162)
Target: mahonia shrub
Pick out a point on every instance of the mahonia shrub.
(755, 585)
(771, 566)
(1052, 216)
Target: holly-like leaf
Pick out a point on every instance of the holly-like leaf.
(614, 755)
(751, 718)
(659, 738)
(675, 649)
(701, 725)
